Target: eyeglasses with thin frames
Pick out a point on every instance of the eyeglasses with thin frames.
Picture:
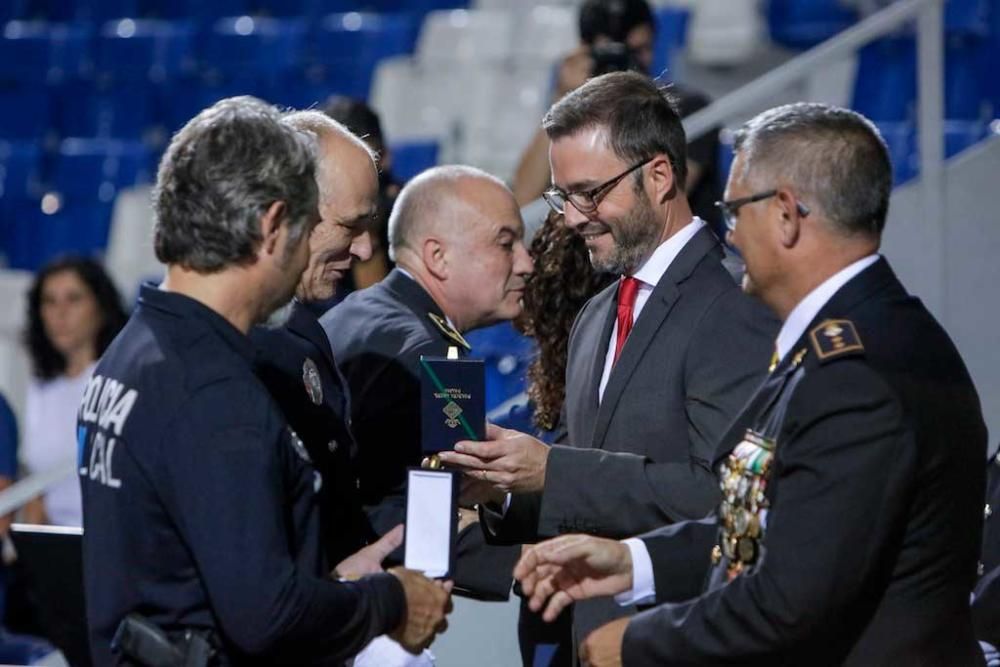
(730, 208)
(587, 201)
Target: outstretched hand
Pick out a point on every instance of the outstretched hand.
(556, 573)
(368, 560)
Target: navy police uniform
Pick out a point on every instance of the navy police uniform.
(378, 335)
(986, 603)
(296, 364)
(852, 492)
(200, 503)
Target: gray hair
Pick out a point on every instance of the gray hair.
(424, 199)
(220, 174)
(834, 157)
(322, 126)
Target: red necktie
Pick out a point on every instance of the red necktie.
(627, 292)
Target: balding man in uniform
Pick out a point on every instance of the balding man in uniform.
(457, 237)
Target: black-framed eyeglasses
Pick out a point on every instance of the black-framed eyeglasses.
(587, 201)
(730, 208)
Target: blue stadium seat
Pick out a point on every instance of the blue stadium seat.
(801, 24)
(20, 168)
(961, 134)
(411, 158)
(347, 47)
(95, 169)
(238, 44)
(201, 11)
(24, 114)
(506, 354)
(182, 99)
(36, 236)
(137, 50)
(969, 16)
(886, 84)
(416, 6)
(885, 88)
(900, 138)
(671, 35)
(33, 52)
(115, 112)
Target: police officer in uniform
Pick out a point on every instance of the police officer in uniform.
(200, 502)
(457, 237)
(849, 525)
(295, 361)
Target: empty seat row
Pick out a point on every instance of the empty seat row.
(128, 50)
(199, 10)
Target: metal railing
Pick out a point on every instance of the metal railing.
(929, 17)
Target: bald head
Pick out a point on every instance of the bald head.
(458, 231)
(442, 202)
(348, 190)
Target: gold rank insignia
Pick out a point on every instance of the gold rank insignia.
(449, 331)
(835, 338)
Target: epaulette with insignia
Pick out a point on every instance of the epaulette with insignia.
(449, 331)
(835, 338)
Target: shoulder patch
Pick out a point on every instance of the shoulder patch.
(449, 331)
(835, 338)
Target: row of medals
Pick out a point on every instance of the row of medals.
(743, 480)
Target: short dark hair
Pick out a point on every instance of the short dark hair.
(218, 177)
(640, 117)
(357, 117)
(46, 361)
(613, 19)
(835, 157)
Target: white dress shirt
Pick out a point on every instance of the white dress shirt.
(643, 585)
(649, 275)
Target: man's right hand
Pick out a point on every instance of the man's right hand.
(428, 602)
(571, 568)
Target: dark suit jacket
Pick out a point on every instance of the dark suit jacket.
(282, 355)
(378, 335)
(876, 492)
(986, 605)
(642, 457)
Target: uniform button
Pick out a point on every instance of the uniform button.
(980, 568)
(357, 484)
(987, 511)
(332, 446)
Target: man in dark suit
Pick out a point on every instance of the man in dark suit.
(852, 482)
(456, 236)
(659, 362)
(986, 595)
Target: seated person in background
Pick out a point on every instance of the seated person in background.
(456, 236)
(362, 120)
(616, 35)
(74, 312)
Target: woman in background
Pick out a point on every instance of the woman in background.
(562, 283)
(74, 312)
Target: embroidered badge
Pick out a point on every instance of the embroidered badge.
(834, 338)
(312, 381)
(449, 331)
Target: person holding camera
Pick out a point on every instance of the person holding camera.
(615, 36)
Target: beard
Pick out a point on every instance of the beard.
(635, 236)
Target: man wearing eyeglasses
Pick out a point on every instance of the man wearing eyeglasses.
(659, 362)
(850, 523)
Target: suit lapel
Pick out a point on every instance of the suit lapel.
(650, 321)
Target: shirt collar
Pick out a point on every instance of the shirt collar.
(653, 268)
(410, 276)
(807, 309)
(185, 307)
